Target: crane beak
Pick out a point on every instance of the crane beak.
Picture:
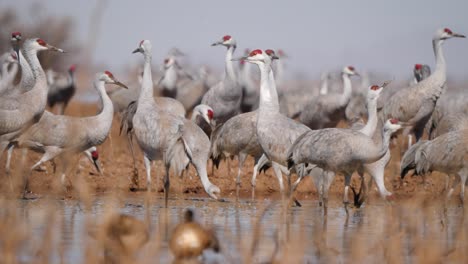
(275, 57)
(456, 35)
(55, 48)
(216, 43)
(137, 50)
(97, 165)
(357, 74)
(120, 84)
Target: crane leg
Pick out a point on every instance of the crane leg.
(50, 154)
(134, 183)
(345, 197)
(254, 176)
(241, 161)
(166, 186)
(148, 173)
(279, 176)
(463, 177)
(7, 166)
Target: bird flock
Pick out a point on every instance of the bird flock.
(239, 116)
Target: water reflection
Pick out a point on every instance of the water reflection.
(367, 234)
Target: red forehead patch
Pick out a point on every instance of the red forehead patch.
(41, 42)
(226, 38)
(255, 52)
(394, 121)
(448, 31)
(16, 34)
(72, 68)
(108, 73)
(269, 52)
(351, 68)
(210, 114)
(375, 87)
(418, 66)
(95, 155)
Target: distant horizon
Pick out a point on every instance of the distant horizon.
(385, 37)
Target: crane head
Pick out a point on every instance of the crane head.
(421, 72)
(108, 77)
(446, 33)
(143, 47)
(72, 68)
(206, 113)
(350, 70)
(93, 155)
(393, 125)
(271, 54)
(40, 44)
(15, 40)
(226, 41)
(168, 62)
(374, 92)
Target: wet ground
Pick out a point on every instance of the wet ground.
(301, 235)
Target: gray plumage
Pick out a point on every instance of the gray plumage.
(225, 97)
(236, 137)
(62, 87)
(19, 112)
(416, 103)
(9, 69)
(408, 162)
(54, 135)
(326, 110)
(448, 154)
(167, 137)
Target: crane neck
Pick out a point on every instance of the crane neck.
(268, 93)
(439, 56)
(230, 72)
(372, 120)
(146, 91)
(324, 86)
(280, 72)
(106, 103)
(39, 91)
(347, 90)
(170, 78)
(27, 77)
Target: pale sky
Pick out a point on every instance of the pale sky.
(373, 35)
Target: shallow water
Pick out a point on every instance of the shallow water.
(311, 237)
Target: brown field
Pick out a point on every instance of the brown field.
(411, 229)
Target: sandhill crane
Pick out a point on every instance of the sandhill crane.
(167, 137)
(9, 68)
(62, 87)
(323, 179)
(55, 135)
(356, 108)
(225, 96)
(340, 150)
(416, 103)
(275, 132)
(249, 90)
(421, 72)
(327, 110)
(168, 81)
(167, 104)
(19, 112)
(236, 137)
(448, 154)
(27, 77)
(324, 83)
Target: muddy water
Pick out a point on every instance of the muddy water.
(311, 237)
